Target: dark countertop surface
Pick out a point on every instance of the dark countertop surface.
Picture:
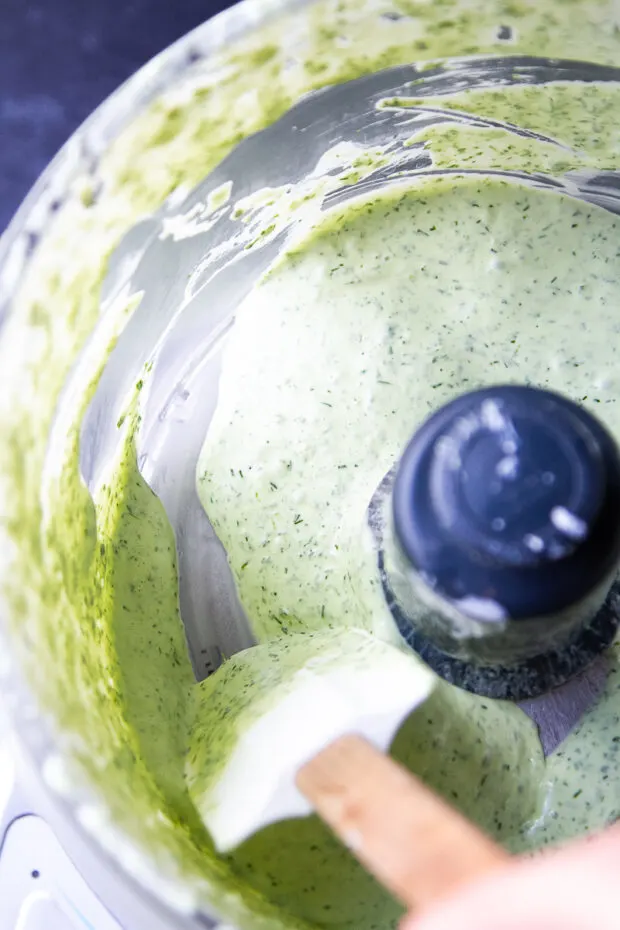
(59, 59)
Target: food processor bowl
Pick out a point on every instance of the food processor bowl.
(135, 376)
(194, 262)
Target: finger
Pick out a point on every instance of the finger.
(576, 888)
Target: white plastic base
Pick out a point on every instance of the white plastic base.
(40, 888)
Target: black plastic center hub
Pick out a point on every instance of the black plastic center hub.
(506, 504)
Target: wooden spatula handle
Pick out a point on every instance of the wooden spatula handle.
(414, 843)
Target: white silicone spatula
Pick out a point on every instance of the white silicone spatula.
(414, 843)
(302, 724)
(270, 709)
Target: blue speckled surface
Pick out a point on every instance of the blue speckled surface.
(59, 60)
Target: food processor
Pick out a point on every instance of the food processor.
(144, 362)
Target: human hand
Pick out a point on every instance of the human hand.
(573, 888)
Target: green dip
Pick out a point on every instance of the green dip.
(428, 290)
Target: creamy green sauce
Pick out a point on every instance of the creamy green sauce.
(91, 586)
(383, 313)
(380, 314)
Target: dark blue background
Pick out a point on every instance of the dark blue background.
(59, 59)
